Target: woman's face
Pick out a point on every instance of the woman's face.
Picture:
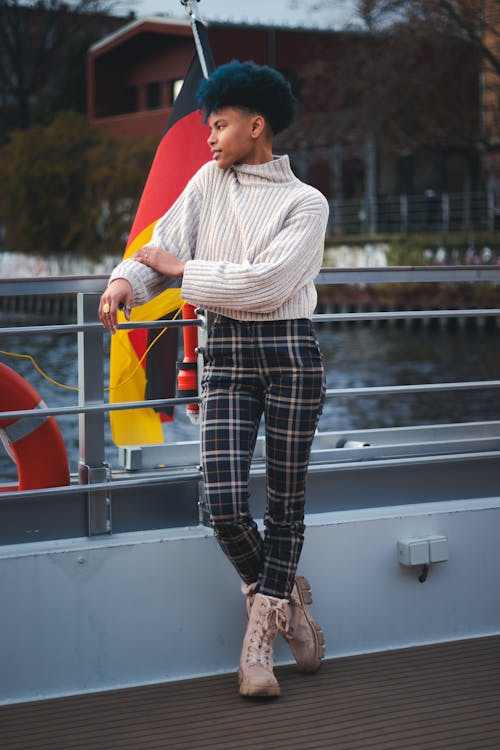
(234, 136)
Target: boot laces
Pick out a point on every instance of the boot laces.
(271, 619)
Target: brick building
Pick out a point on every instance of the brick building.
(133, 76)
(491, 95)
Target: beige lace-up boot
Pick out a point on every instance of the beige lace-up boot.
(267, 617)
(248, 589)
(304, 634)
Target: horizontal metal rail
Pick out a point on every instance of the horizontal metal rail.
(117, 484)
(328, 276)
(378, 390)
(60, 411)
(70, 285)
(77, 328)
(318, 318)
(65, 285)
(178, 474)
(406, 314)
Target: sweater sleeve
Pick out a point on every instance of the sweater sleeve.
(176, 232)
(290, 261)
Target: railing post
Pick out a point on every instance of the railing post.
(467, 207)
(445, 205)
(336, 220)
(200, 351)
(491, 204)
(403, 205)
(92, 468)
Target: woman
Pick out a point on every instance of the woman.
(246, 237)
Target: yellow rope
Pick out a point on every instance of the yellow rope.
(75, 388)
(139, 363)
(39, 369)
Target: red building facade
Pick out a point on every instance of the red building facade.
(133, 74)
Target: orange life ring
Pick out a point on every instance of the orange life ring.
(34, 443)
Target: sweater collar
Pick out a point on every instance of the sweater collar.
(276, 171)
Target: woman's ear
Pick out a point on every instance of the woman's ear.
(258, 126)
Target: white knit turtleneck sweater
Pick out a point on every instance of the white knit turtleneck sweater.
(252, 237)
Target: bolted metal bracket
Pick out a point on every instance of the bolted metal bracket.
(203, 512)
(99, 500)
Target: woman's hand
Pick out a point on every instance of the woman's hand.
(160, 260)
(118, 295)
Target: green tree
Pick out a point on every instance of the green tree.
(66, 187)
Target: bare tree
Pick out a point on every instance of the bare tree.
(42, 53)
(393, 87)
(407, 73)
(475, 21)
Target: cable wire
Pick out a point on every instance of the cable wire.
(76, 388)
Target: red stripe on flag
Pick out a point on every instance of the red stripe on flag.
(184, 149)
(139, 340)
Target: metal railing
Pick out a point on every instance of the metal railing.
(93, 476)
(404, 214)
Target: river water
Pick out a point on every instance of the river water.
(355, 356)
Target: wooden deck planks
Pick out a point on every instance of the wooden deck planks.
(437, 697)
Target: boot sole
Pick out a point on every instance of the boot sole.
(257, 691)
(305, 597)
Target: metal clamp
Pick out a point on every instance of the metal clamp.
(99, 501)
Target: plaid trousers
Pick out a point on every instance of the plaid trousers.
(252, 368)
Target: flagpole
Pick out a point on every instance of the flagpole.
(191, 8)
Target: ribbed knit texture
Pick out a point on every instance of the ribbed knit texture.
(252, 237)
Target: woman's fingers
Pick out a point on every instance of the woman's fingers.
(118, 296)
(160, 260)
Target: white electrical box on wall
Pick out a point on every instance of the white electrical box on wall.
(423, 551)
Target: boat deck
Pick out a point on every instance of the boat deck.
(428, 697)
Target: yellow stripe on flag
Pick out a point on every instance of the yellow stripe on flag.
(127, 379)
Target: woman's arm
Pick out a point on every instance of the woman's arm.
(290, 261)
(153, 268)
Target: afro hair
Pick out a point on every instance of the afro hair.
(258, 89)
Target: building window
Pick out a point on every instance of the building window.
(131, 99)
(153, 95)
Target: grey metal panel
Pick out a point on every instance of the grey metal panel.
(64, 515)
(56, 517)
(446, 479)
(162, 506)
(153, 500)
(333, 487)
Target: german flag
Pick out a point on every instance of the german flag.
(181, 152)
